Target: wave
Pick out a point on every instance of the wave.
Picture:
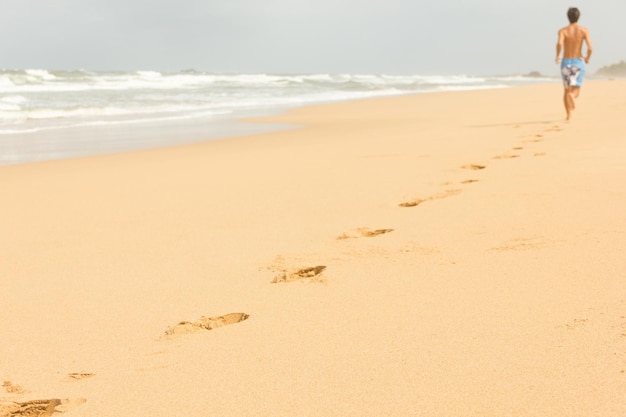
(36, 99)
(102, 123)
(34, 80)
(39, 107)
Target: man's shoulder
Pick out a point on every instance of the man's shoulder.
(573, 30)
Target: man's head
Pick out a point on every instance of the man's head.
(573, 14)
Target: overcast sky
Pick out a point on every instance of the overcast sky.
(474, 37)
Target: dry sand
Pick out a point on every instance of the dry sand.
(450, 254)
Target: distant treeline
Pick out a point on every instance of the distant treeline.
(615, 70)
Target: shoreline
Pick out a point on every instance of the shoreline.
(68, 142)
(123, 138)
(452, 254)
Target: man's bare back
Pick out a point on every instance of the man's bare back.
(571, 39)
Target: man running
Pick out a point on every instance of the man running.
(573, 64)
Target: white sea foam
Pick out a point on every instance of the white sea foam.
(38, 100)
(14, 99)
(39, 74)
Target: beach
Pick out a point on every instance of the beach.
(445, 254)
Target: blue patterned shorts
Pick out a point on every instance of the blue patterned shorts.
(572, 72)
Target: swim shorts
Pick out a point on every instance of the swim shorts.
(572, 72)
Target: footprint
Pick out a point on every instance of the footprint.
(576, 323)
(473, 167)
(518, 148)
(419, 201)
(364, 232)
(412, 203)
(505, 156)
(521, 244)
(78, 376)
(12, 389)
(38, 408)
(206, 323)
(469, 181)
(554, 128)
(158, 352)
(540, 154)
(538, 137)
(310, 274)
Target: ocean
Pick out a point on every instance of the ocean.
(47, 115)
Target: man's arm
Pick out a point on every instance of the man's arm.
(559, 46)
(587, 40)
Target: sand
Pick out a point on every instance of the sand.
(449, 254)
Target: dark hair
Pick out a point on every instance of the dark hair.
(573, 14)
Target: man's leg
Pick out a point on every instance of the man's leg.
(568, 101)
(572, 80)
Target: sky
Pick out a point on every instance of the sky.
(427, 37)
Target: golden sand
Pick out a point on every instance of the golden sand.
(449, 254)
